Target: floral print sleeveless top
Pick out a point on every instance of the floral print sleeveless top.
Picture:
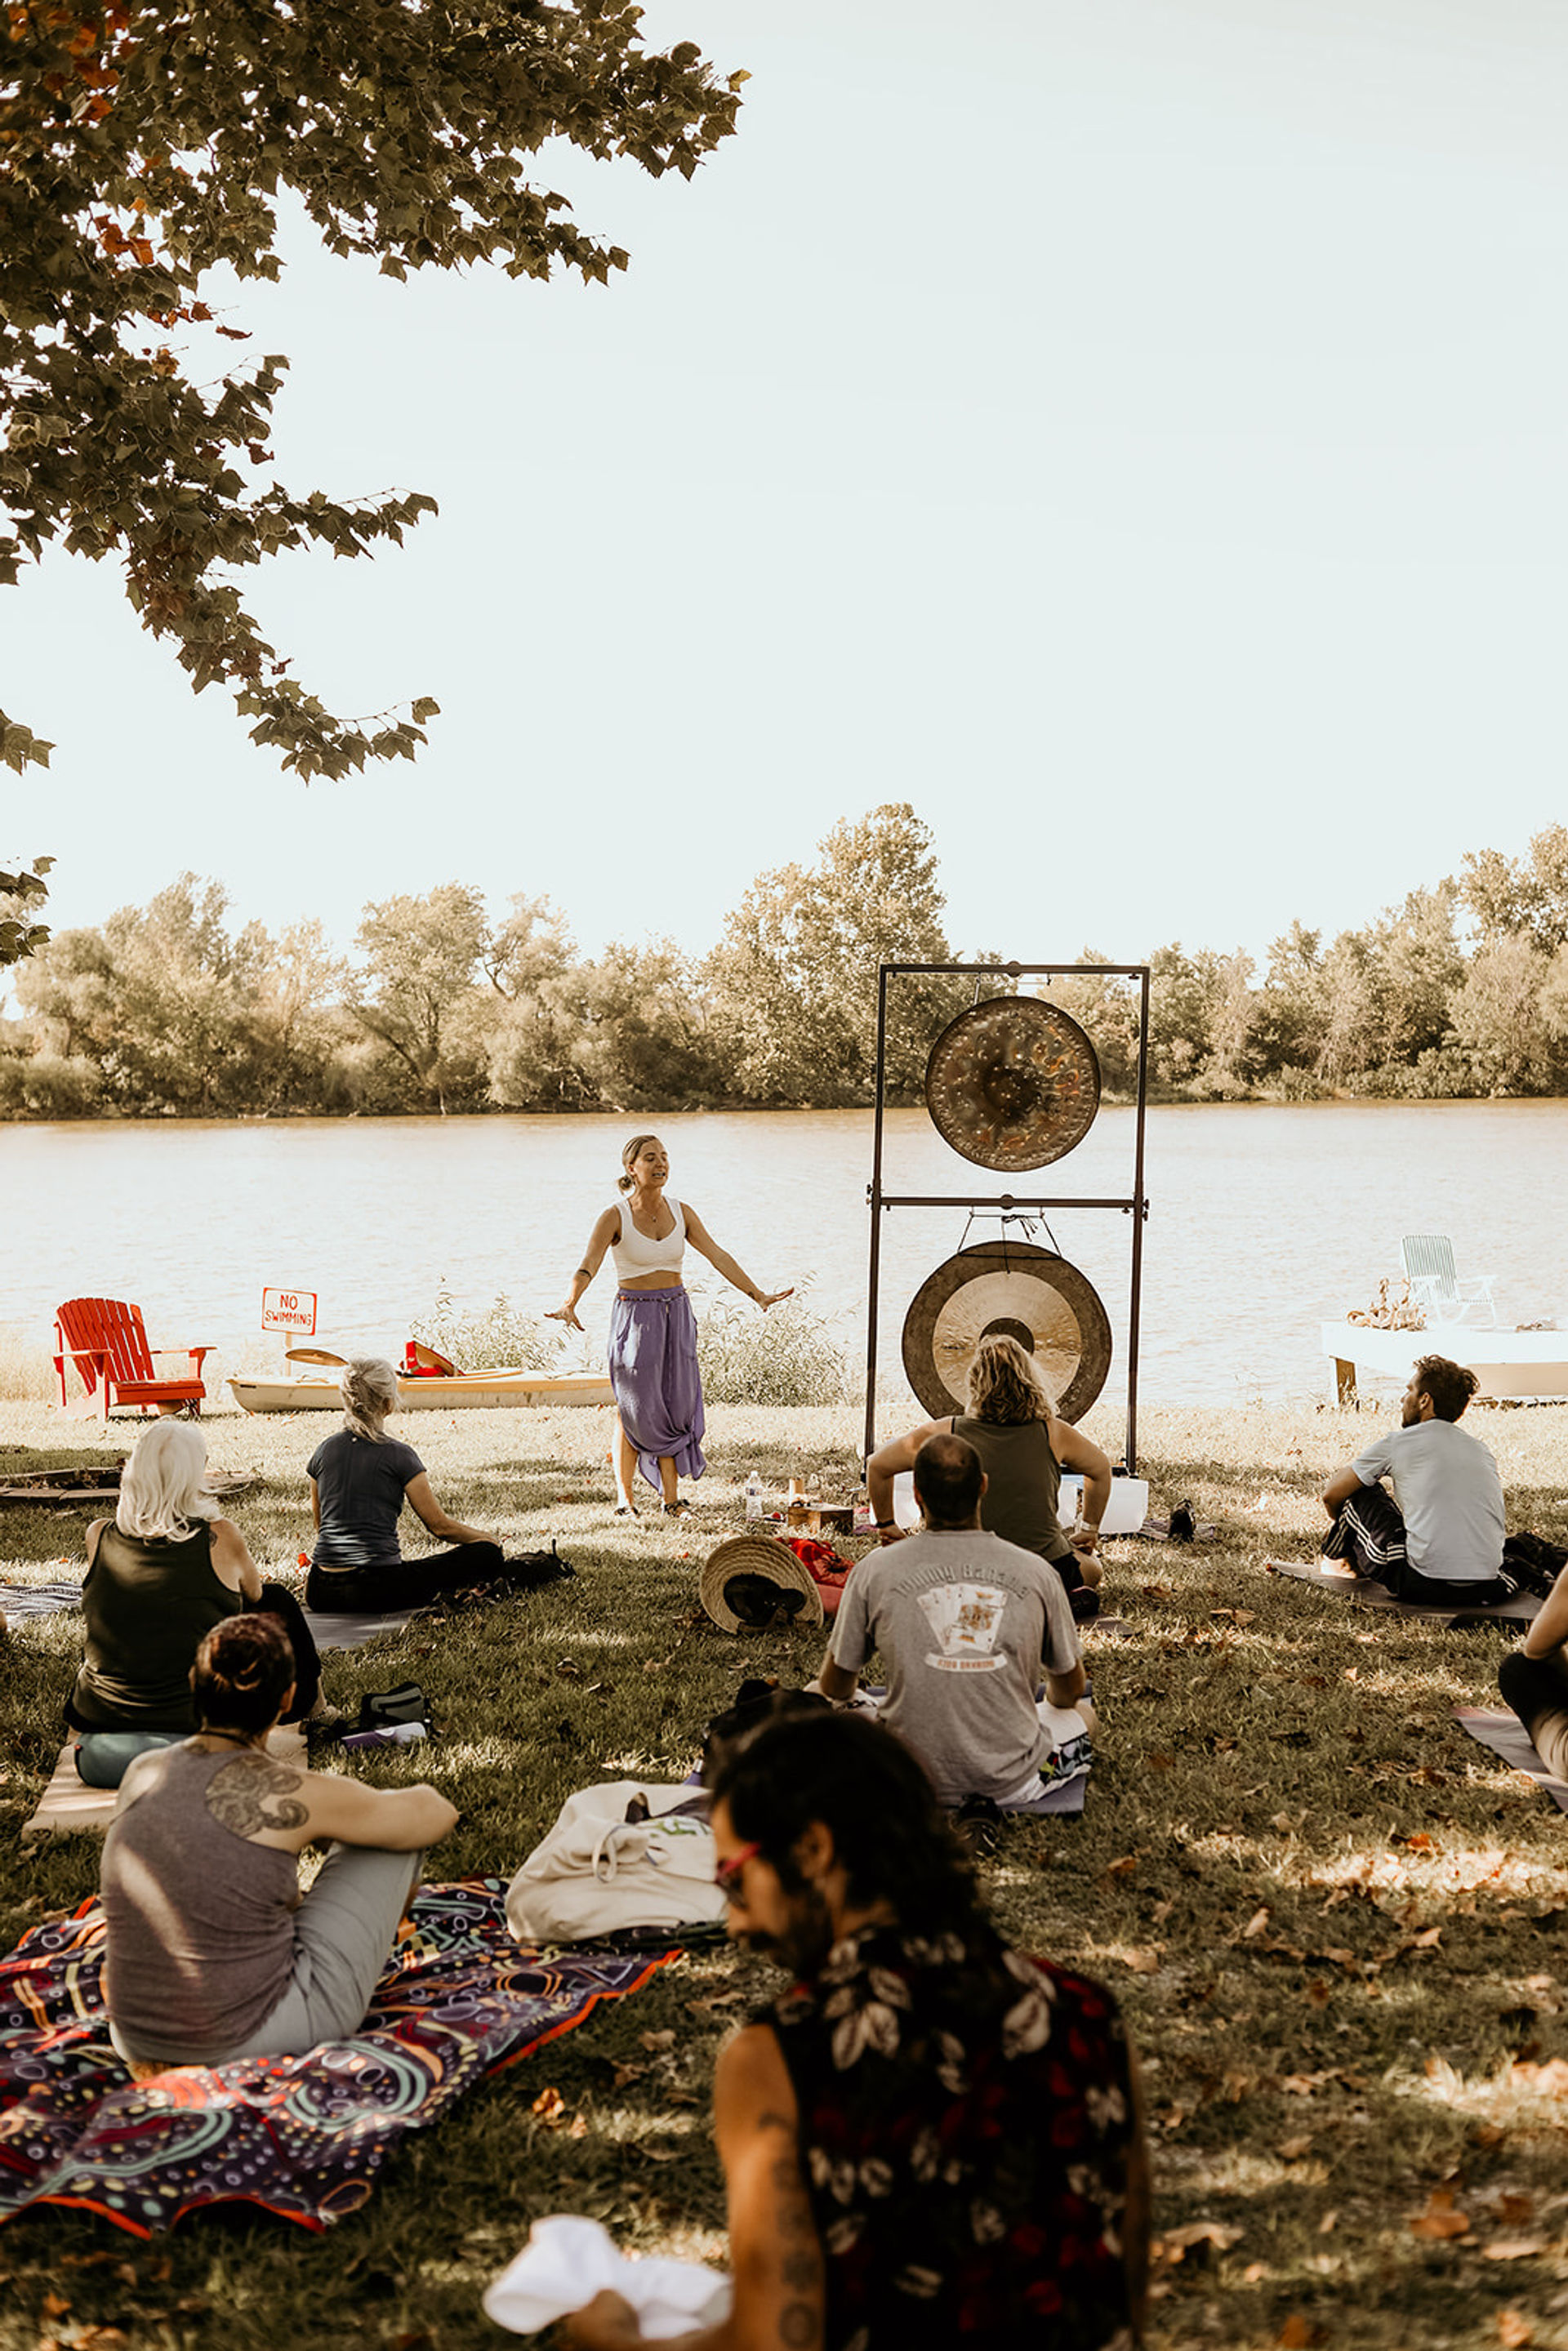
(965, 2117)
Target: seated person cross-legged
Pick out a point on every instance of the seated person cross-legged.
(929, 2140)
(162, 1572)
(966, 1626)
(1533, 1678)
(212, 1951)
(1439, 1536)
(359, 1479)
(1023, 1447)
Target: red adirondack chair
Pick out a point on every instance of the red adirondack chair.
(106, 1341)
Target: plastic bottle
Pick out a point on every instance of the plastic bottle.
(754, 1496)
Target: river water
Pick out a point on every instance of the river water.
(1263, 1222)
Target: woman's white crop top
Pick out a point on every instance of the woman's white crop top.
(635, 1255)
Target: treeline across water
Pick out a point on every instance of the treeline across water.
(172, 1009)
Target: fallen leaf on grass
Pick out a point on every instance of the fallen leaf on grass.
(1162, 1762)
(1175, 2244)
(1487, 2134)
(1293, 2149)
(1255, 2273)
(1513, 2330)
(1515, 2208)
(665, 2039)
(549, 2106)
(1143, 1963)
(1298, 2333)
(1327, 2224)
(1513, 2249)
(1548, 2080)
(624, 2075)
(53, 2307)
(1255, 1925)
(1122, 1868)
(1440, 2220)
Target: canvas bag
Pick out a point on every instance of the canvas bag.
(597, 1871)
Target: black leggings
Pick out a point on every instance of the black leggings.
(276, 1600)
(403, 1583)
(1537, 1690)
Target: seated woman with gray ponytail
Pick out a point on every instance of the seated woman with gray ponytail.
(359, 1479)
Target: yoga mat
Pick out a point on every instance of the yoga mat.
(304, 2137)
(20, 1601)
(68, 1803)
(350, 1632)
(1522, 1609)
(1507, 1736)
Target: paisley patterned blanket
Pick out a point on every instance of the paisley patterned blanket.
(303, 2137)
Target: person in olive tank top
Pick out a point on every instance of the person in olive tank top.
(1024, 1445)
(160, 1574)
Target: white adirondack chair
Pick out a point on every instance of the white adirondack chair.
(1435, 1283)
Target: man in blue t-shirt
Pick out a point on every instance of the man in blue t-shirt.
(1439, 1536)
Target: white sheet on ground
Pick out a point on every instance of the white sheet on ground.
(567, 2260)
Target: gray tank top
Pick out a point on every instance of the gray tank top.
(199, 1920)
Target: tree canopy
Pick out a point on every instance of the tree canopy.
(145, 145)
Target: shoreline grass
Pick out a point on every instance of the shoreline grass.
(1313, 2074)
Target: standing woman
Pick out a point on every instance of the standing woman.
(653, 1330)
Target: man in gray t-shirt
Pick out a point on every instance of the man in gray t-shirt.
(1440, 1535)
(965, 1624)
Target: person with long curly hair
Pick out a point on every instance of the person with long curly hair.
(1024, 1445)
(929, 2140)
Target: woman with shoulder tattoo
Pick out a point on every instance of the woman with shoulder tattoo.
(212, 1951)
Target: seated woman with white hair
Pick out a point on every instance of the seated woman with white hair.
(359, 1479)
(160, 1574)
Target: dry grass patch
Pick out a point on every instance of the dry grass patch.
(1333, 1921)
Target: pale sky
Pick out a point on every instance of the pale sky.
(1132, 431)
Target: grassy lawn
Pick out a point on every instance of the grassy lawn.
(1333, 1920)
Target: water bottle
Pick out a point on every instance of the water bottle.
(754, 1496)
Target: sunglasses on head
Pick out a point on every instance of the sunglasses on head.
(727, 1876)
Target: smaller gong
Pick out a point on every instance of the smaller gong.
(1012, 1084)
(1023, 1292)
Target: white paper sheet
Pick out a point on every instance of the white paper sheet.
(567, 2260)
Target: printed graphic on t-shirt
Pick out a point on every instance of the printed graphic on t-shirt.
(966, 1619)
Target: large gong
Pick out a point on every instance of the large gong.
(1031, 1294)
(1012, 1084)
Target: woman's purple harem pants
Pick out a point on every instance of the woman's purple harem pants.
(654, 1373)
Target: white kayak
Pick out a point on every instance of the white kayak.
(470, 1391)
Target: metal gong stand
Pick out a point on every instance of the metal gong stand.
(1003, 1144)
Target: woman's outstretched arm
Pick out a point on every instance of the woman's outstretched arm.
(606, 1229)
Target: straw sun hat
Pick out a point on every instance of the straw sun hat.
(733, 1579)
